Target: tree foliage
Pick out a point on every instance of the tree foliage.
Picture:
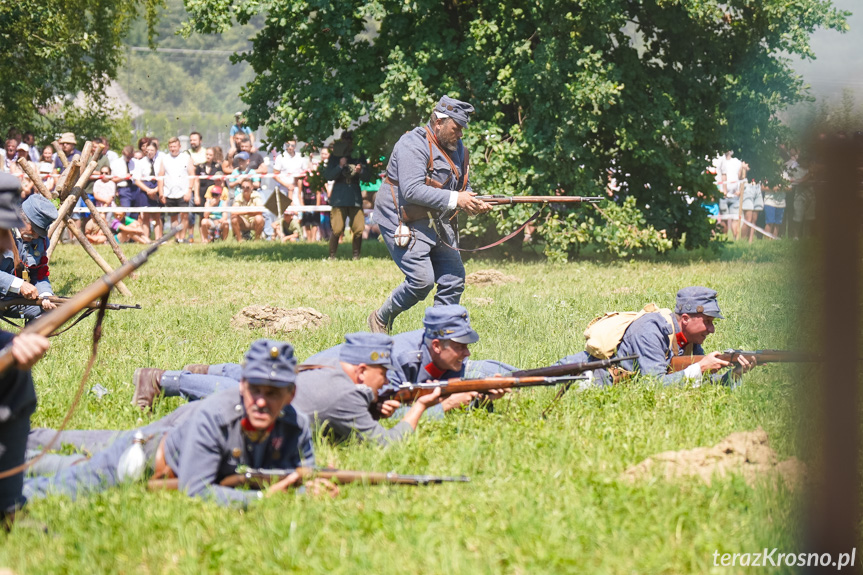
(54, 48)
(564, 89)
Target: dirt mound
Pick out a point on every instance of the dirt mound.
(484, 278)
(278, 320)
(746, 452)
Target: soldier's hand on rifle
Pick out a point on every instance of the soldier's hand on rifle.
(48, 304)
(495, 394)
(458, 400)
(389, 407)
(319, 486)
(711, 362)
(468, 202)
(28, 348)
(283, 484)
(28, 290)
(430, 399)
(744, 364)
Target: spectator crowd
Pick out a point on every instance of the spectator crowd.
(748, 204)
(303, 194)
(298, 193)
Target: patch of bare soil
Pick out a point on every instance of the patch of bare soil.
(278, 320)
(483, 278)
(746, 452)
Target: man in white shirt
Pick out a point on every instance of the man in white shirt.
(730, 169)
(288, 167)
(175, 185)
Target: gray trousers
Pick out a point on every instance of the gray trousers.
(194, 386)
(424, 265)
(100, 471)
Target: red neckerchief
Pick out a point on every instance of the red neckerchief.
(681, 340)
(433, 370)
(255, 433)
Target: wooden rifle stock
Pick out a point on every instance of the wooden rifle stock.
(761, 356)
(262, 478)
(46, 323)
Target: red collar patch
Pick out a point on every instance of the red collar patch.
(681, 340)
(433, 370)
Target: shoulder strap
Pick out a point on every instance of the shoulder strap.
(432, 140)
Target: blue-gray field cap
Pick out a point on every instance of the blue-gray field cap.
(455, 109)
(697, 299)
(368, 348)
(243, 156)
(449, 322)
(40, 211)
(270, 362)
(10, 201)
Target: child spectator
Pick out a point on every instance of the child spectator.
(125, 228)
(290, 229)
(214, 225)
(774, 207)
(104, 189)
(309, 220)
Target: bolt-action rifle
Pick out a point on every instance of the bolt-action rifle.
(540, 377)
(261, 478)
(48, 322)
(761, 356)
(62, 300)
(501, 200)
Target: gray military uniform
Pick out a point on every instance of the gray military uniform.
(426, 261)
(336, 404)
(205, 443)
(649, 337)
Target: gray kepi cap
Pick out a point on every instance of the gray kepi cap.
(270, 362)
(367, 348)
(41, 212)
(455, 109)
(697, 299)
(10, 201)
(449, 322)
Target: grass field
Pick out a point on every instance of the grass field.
(545, 494)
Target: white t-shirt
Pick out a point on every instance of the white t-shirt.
(730, 168)
(120, 169)
(291, 165)
(176, 175)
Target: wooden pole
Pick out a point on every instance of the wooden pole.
(60, 153)
(100, 261)
(67, 179)
(103, 225)
(72, 198)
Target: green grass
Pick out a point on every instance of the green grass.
(545, 494)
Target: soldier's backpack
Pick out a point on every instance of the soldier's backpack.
(605, 332)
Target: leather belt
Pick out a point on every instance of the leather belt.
(161, 469)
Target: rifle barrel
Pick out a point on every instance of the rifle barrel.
(46, 323)
(260, 478)
(499, 200)
(571, 368)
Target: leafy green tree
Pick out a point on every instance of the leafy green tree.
(55, 48)
(564, 89)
